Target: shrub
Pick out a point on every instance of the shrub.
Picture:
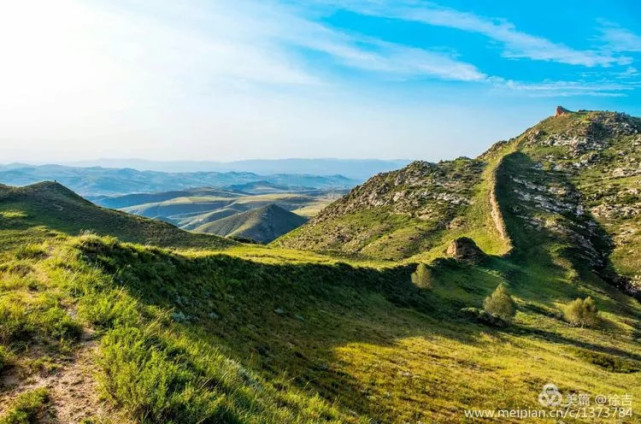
(608, 362)
(482, 317)
(5, 357)
(582, 312)
(500, 304)
(422, 277)
(26, 407)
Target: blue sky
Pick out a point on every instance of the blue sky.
(226, 80)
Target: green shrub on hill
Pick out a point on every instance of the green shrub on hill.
(26, 407)
(582, 312)
(422, 277)
(5, 357)
(500, 304)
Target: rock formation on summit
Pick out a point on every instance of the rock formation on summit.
(560, 110)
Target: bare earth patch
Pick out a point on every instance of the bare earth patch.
(72, 387)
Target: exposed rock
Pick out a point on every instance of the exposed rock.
(560, 110)
(465, 249)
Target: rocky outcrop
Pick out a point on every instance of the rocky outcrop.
(560, 110)
(465, 249)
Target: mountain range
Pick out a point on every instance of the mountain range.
(97, 181)
(356, 169)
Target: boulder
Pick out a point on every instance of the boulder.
(465, 249)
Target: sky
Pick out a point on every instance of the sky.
(264, 79)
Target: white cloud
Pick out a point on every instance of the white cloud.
(517, 44)
(620, 39)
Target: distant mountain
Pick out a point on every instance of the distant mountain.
(119, 202)
(98, 181)
(259, 187)
(357, 169)
(55, 206)
(262, 225)
(195, 209)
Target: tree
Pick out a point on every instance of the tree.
(422, 277)
(500, 304)
(582, 312)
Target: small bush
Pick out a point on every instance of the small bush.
(608, 362)
(422, 277)
(26, 407)
(582, 312)
(6, 358)
(500, 304)
(482, 317)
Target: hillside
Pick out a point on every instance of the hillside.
(402, 213)
(54, 207)
(262, 224)
(101, 331)
(576, 175)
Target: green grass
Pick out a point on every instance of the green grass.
(27, 407)
(195, 336)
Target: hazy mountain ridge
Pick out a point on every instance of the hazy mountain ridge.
(358, 169)
(111, 181)
(197, 209)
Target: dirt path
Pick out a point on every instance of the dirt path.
(72, 388)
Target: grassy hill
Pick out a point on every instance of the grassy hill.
(262, 224)
(403, 213)
(180, 208)
(577, 175)
(95, 329)
(171, 337)
(54, 207)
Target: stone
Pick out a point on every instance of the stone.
(465, 249)
(560, 110)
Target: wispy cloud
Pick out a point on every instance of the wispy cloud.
(517, 44)
(565, 88)
(351, 50)
(620, 39)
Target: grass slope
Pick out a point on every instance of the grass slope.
(212, 338)
(408, 213)
(262, 224)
